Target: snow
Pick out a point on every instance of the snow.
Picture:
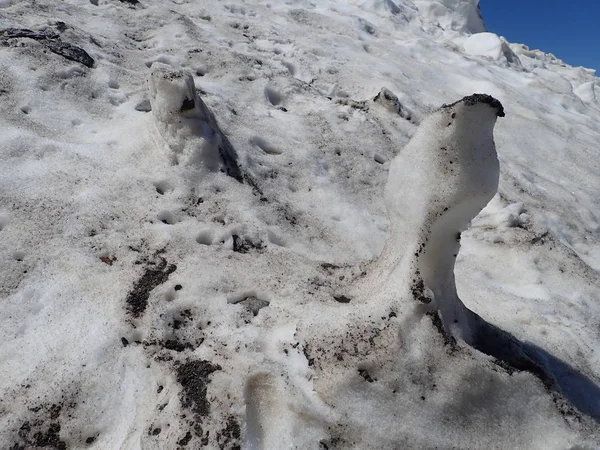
(455, 144)
(589, 93)
(463, 16)
(192, 230)
(492, 46)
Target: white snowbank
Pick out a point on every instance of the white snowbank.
(491, 46)
(462, 16)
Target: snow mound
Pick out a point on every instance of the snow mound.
(552, 81)
(463, 16)
(186, 124)
(491, 46)
(533, 58)
(444, 176)
(589, 93)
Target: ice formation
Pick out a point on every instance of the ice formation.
(186, 124)
(443, 177)
(438, 183)
(463, 16)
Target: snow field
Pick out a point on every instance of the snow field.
(136, 268)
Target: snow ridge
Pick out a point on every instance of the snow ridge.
(463, 16)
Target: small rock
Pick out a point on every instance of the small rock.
(108, 260)
(342, 299)
(254, 305)
(144, 106)
(379, 159)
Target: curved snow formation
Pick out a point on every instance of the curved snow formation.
(440, 181)
(491, 46)
(589, 93)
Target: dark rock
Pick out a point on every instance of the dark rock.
(52, 41)
(175, 345)
(418, 291)
(230, 434)
(363, 373)
(241, 245)
(50, 438)
(341, 299)
(480, 98)
(144, 106)
(185, 440)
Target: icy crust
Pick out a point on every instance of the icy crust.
(152, 300)
(589, 93)
(404, 10)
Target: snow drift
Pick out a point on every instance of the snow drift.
(463, 16)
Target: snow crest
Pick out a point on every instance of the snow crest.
(491, 46)
(463, 16)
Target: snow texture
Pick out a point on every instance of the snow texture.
(463, 16)
(440, 181)
(223, 225)
(492, 46)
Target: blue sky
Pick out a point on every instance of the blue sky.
(570, 29)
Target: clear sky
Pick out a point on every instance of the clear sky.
(570, 29)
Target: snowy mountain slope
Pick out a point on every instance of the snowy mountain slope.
(152, 305)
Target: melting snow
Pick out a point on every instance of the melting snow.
(193, 223)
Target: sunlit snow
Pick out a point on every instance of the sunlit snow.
(198, 248)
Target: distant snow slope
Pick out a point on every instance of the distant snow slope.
(197, 276)
(459, 15)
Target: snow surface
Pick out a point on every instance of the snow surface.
(455, 144)
(463, 16)
(492, 46)
(208, 273)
